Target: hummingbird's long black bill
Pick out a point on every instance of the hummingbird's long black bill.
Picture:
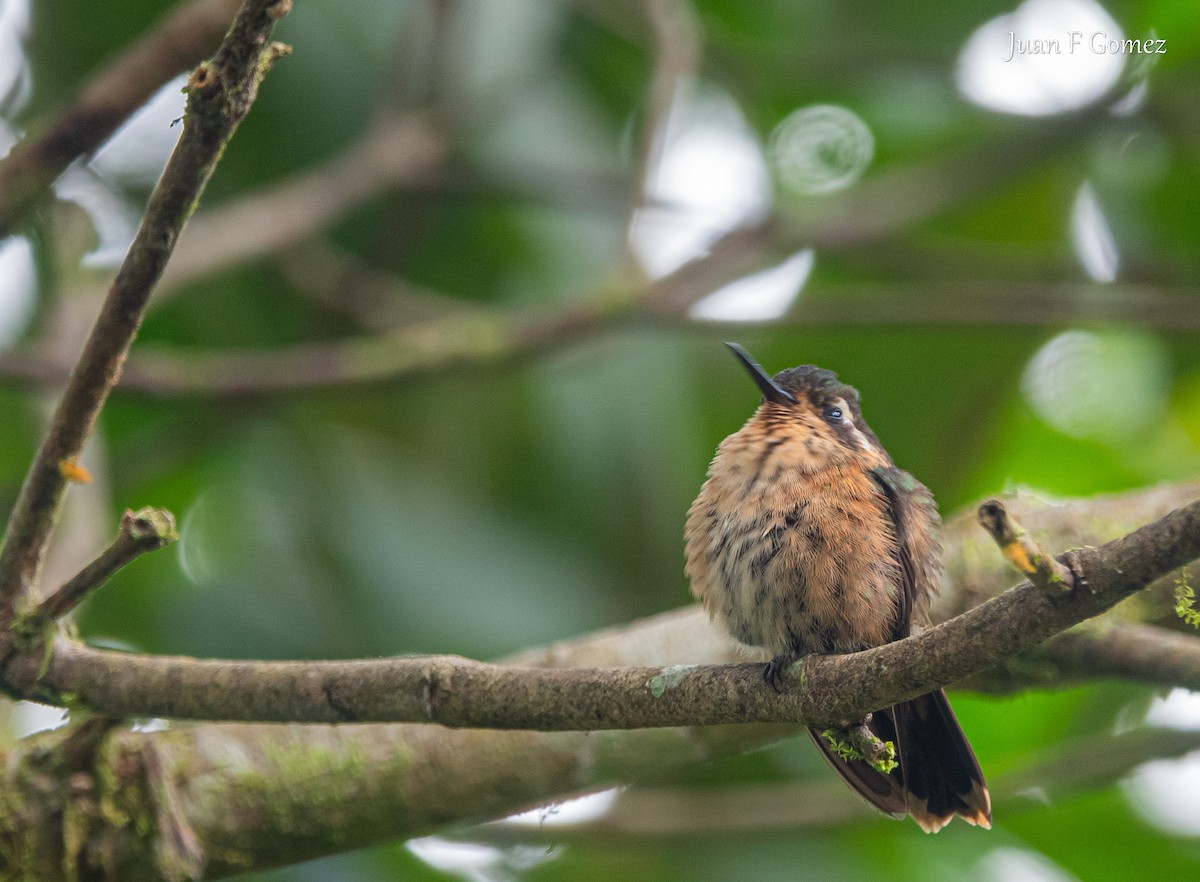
(771, 390)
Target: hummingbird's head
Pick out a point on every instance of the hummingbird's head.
(810, 404)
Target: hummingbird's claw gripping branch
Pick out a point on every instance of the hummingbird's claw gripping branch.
(775, 673)
(1023, 551)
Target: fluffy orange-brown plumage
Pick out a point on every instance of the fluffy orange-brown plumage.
(806, 538)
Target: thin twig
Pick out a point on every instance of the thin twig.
(461, 339)
(995, 303)
(220, 93)
(182, 38)
(859, 742)
(148, 529)
(344, 283)
(1022, 550)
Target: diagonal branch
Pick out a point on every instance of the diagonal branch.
(393, 152)
(828, 690)
(220, 93)
(145, 530)
(184, 37)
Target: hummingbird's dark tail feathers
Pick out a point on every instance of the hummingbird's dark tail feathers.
(940, 772)
(937, 776)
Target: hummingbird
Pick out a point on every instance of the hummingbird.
(806, 538)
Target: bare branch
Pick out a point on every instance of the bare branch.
(220, 93)
(998, 303)
(826, 691)
(148, 529)
(650, 812)
(460, 339)
(182, 38)
(342, 282)
(451, 691)
(1022, 550)
(1141, 653)
(467, 338)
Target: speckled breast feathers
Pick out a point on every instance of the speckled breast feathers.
(805, 537)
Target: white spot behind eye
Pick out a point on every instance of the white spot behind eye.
(847, 419)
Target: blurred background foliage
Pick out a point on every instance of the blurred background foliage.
(1008, 333)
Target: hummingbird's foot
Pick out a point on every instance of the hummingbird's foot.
(774, 671)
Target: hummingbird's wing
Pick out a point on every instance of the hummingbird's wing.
(938, 770)
(914, 517)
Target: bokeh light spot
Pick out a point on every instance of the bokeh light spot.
(18, 288)
(759, 297)
(1166, 793)
(1008, 864)
(821, 149)
(1094, 243)
(1044, 57)
(1109, 386)
(710, 178)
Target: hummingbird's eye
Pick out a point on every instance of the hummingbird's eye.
(833, 414)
